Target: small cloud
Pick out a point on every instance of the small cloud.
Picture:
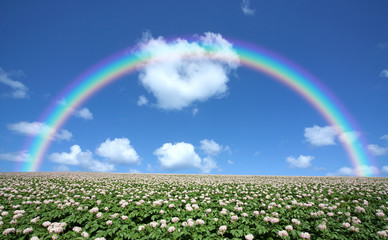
(84, 113)
(385, 137)
(178, 156)
(384, 170)
(320, 136)
(131, 170)
(208, 165)
(210, 147)
(300, 162)
(364, 169)
(384, 73)
(37, 128)
(61, 168)
(230, 162)
(376, 150)
(195, 111)
(19, 90)
(257, 153)
(149, 168)
(142, 101)
(21, 156)
(118, 150)
(245, 7)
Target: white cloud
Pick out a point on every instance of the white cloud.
(208, 165)
(376, 150)
(245, 7)
(384, 73)
(131, 170)
(182, 72)
(348, 136)
(61, 168)
(142, 101)
(346, 171)
(74, 157)
(385, 137)
(36, 128)
(178, 156)
(230, 162)
(364, 169)
(210, 147)
(384, 170)
(118, 150)
(300, 162)
(195, 111)
(320, 136)
(19, 89)
(84, 113)
(21, 156)
(85, 160)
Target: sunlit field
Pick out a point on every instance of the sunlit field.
(155, 206)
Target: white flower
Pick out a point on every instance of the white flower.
(249, 237)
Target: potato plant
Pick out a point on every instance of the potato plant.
(162, 206)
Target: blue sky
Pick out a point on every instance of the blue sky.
(247, 124)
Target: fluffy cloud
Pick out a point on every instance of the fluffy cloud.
(385, 137)
(210, 147)
(245, 7)
(208, 165)
(142, 101)
(320, 136)
(183, 72)
(131, 170)
(19, 90)
(347, 171)
(384, 73)
(84, 113)
(324, 136)
(300, 162)
(118, 150)
(21, 156)
(36, 128)
(178, 156)
(230, 162)
(376, 150)
(85, 160)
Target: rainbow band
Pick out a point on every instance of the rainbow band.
(263, 61)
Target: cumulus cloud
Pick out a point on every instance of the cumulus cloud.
(384, 73)
(320, 136)
(245, 7)
(142, 101)
(376, 150)
(178, 156)
(300, 162)
(210, 147)
(118, 150)
(182, 72)
(230, 162)
(324, 136)
(84, 113)
(36, 128)
(20, 156)
(19, 90)
(365, 169)
(85, 160)
(208, 165)
(195, 111)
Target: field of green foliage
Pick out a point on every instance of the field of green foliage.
(155, 206)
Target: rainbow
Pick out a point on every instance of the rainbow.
(256, 58)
